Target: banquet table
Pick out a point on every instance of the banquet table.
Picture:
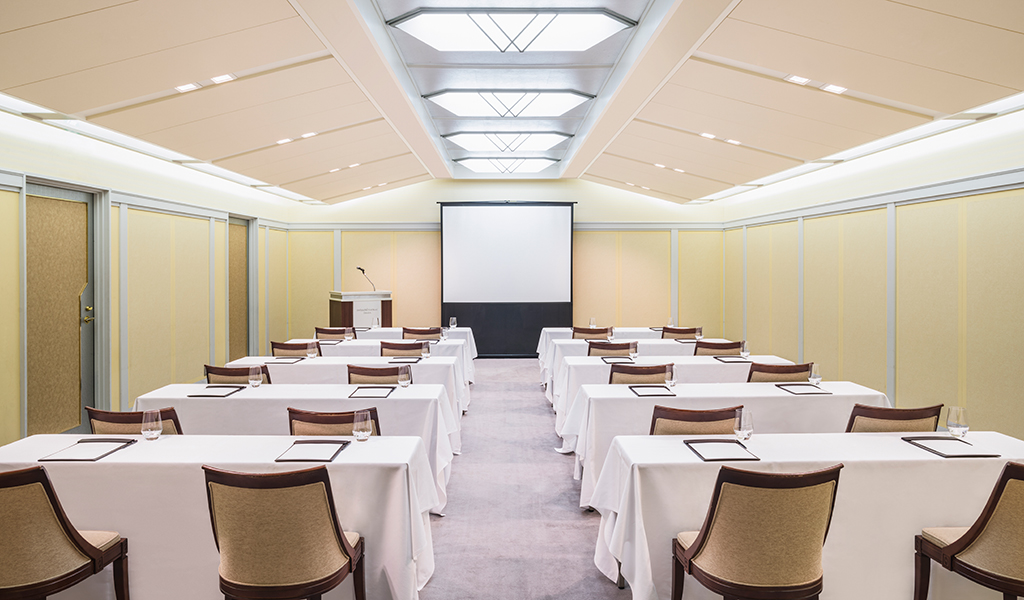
(154, 493)
(601, 412)
(549, 334)
(395, 333)
(653, 487)
(421, 410)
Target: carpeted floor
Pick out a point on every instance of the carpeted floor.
(514, 530)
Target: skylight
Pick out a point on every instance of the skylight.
(506, 165)
(508, 103)
(507, 142)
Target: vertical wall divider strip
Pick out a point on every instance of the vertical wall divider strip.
(337, 260)
(122, 313)
(890, 302)
(213, 293)
(253, 267)
(288, 284)
(744, 282)
(266, 290)
(674, 276)
(101, 299)
(962, 302)
(23, 301)
(800, 290)
(227, 289)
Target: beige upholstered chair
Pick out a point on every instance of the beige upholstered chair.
(681, 421)
(279, 535)
(307, 422)
(334, 333)
(105, 422)
(876, 419)
(680, 333)
(402, 348)
(373, 375)
(591, 333)
(607, 348)
(990, 552)
(41, 553)
(421, 333)
(703, 348)
(637, 373)
(762, 537)
(233, 374)
(779, 373)
(292, 348)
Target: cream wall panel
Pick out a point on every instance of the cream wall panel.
(417, 281)
(759, 279)
(645, 280)
(261, 288)
(822, 294)
(733, 284)
(785, 290)
(115, 307)
(310, 280)
(864, 299)
(595, 279)
(700, 281)
(371, 250)
(277, 302)
(220, 286)
(191, 297)
(10, 327)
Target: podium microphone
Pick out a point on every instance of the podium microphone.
(363, 271)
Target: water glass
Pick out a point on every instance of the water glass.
(815, 377)
(699, 334)
(425, 349)
(452, 322)
(444, 333)
(593, 322)
(152, 424)
(375, 323)
(362, 426)
(670, 322)
(404, 375)
(744, 349)
(744, 426)
(349, 334)
(633, 352)
(311, 350)
(255, 376)
(611, 333)
(670, 375)
(956, 421)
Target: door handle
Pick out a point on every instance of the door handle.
(88, 319)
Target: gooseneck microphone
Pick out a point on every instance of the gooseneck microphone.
(363, 271)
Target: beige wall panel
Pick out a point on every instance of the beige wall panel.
(371, 250)
(759, 289)
(645, 283)
(261, 290)
(417, 267)
(220, 288)
(191, 298)
(238, 291)
(733, 284)
(150, 302)
(864, 300)
(822, 294)
(10, 334)
(310, 281)
(785, 291)
(700, 281)
(595, 278)
(994, 330)
(277, 302)
(115, 308)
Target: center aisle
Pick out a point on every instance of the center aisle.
(513, 528)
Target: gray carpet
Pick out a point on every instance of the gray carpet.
(513, 528)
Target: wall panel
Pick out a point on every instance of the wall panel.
(595, 283)
(261, 290)
(864, 299)
(371, 250)
(733, 284)
(784, 291)
(645, 278)
(310, 280)
(191, 298)
(10, 327)
(277, 302)
(822, 294)
(115, 308)
(417, 281)
(220, 290)
(700, 281)
(759, 298)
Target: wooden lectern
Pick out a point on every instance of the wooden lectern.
(358, 309)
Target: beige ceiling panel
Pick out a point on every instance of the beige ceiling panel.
(348, 181)
(997, 13)
(162, 71)
(682, 185)
(338, 140)
(391, 186)
(19, 14)
(126, 31)
(860, 71)
(618, 184)
(225, 98)
(674, 156)
(899, 32)
(808, 103)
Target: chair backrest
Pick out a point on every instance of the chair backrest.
(373, 375)
(766, 529)
(702, 348)
(276, 529)
(334, 333)
(876, 419)
(307, 422)
(682, 421)
(590, 333)
(233, 374)
(292, 348)
(607, 348)
(637, 373)
(421, 333)
(105, 422)
(779, 373)
(401, 348)
(37, 541)
(679, 333)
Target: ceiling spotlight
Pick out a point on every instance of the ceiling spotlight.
(709, 136)
(353, 166)
(382, 184)
(797, 79)
(284, 141)
(644, 187)
(188, 87)
(733, 142)
(367, 188)
(679, 170)
(659, 166)
(835, 89)
(334, 170)
(628, 183)
(308, 135)
(223, 78)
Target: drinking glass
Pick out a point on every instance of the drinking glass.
(611, 333)
(670, 375)
(425, 349)
(452, 322)
(311, 350)
(699, 334)
(375, 323)
(670, 322)
(956, 421)
(152, 424)
(593, 322)
(744, 426)
(633, 353)
(349, 334)
(255, 376)
(404, 375)
(444, 333)
(815, 377)
(361, 426)
(744, 349)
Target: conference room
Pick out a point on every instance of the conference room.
(528, 301)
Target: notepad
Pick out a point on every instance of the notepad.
(330, 342)
(313, 451)
(684, 340)
(285, 360)
(218, 391)
(732, 359)
(655, 328)
(372, 391)
(719, 450)
(802, 389)
(90, 449)
(947, 447)
(405, 360)
(616, 360)
(648, 391)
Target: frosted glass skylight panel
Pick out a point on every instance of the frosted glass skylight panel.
(506, 165)
(508, 104)
(511, 31)
(507, 142)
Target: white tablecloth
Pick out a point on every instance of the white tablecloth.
(601, 412)
(395, 333)
(549, 334)
(653, 487)
(154, 494)
(419, 410)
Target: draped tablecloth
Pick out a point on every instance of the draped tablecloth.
(395, 333)
(549, 334)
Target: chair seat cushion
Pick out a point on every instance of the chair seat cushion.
(104, 540)
(943, 536)
(686, 538)
(352, 537)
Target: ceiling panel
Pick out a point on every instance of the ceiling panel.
(19, 14)
(349, 181)
(674, 156)
(618, 184)
(395, 184)
(681, 185)
(997, 13)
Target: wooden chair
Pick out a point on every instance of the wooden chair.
(307, 422)
(680, 333)
(421, 333)
(637, 373)
(591, 333)
(702, 348)
(402, 348)
(279, 535)
(373, 375)
(233, 374)
(292, 348)
(682, 421)
(334, 333)
(876, 419)
(41, 552)
(105, 422)
(762, 537)
(990, 552)
(607, 348)
(779, 373)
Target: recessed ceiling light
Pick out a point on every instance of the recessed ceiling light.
(659, 166)
(733, 142)
(679, 170)
(644, 187)
(835, 89)
(797, 79)
(709, 136)
(367, 188)
(188, 87)
(382, 184)
(353, 166)
(284, 141)
(334, 170)
(309, 135)
(508, 103)
(223, 78)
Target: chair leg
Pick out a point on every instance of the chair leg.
(1009, 596)
(359, 578)
(121, 573)
(678, 574)
(922, 575)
